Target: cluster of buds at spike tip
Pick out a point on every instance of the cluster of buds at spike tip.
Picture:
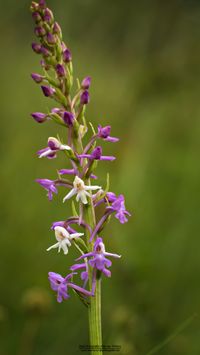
(83, 157)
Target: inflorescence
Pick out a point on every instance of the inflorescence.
(56, 83)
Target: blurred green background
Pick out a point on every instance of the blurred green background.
(144, 61)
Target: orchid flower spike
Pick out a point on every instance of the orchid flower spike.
(64, 239)
(81, 191)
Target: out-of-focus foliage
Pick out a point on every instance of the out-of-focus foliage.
(144, 59)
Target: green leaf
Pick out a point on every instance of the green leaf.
(81, 298)
(81, 246)
(92, 127)
(178, 330)
(78, 84)
(74, 211)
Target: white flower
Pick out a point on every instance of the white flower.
(64, 239)
(81, 190)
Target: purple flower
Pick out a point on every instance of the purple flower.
(118, 206)
(36, 47)
(37, 77)
(99, 260)
(86, 83)
(48, 91)
(68, 118)
(67, 56)
(54, 145)
(39, 117)
(97, 155)
(104, 133)
(61, 284)
(84, 274)
(48, 185)
(85, 97)
(111, 196)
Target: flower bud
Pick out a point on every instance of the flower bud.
(48, 16)
(39, 31)
(39, 117)
(86, 83)
(53, 143)
(56, 110)
(42, 4)
(57, 29)
(48, 91)
(51, 39)
(68, 118)
(60, 70)
(36, 17)
(44, 65)
(85, 97)
(45, 52)
(36, 47)
(104, 132)
(63, 46)
(34, 6)
(67, 56)
(37, 77)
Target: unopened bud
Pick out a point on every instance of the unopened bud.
(36, 48)
(67, 56)
(42, 4)
(60, 70)
(86, 83)
(39, 117)
(48, 16)
(36, 17)
(57, 29)
(51, 39)
(85, 98)
(37, 77)
(45, 52)
(68, 118)
(34, 6)
(39, 31)
(48, 91)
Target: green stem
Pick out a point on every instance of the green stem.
(94, 308)
(94, 313)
